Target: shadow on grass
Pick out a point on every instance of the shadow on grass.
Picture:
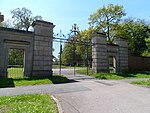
(56, 79)
(6, 82)
(133, 74)
(118, 76)
(126, 74)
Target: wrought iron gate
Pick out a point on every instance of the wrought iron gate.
(74, 38)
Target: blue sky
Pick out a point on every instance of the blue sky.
(64, 13)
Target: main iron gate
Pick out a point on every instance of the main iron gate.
(70, 48)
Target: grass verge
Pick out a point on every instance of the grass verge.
(143, 82)
(84, 71)
(115, 76)
(31, 103)
(12, 82)
(118, 76)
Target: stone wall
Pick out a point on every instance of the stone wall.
(137, 63)
(37, 46)
(12, 38)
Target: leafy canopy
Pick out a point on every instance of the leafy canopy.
(106, 18)
(137, 33)
(78, 52)
(23, 18)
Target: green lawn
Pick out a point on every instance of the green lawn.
(118, 76)
(84, 71)
(12, 82)
(16, 79)
(143, 82)
(15, 72)
(31, 103)
(115, 76)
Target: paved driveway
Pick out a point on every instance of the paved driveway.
(88, 95)
(106, 97)
(103, 96)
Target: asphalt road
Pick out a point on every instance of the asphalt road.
(88, 95)
(103, 96)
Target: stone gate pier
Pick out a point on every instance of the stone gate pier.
(102, 51)
(37, 46)
(42, 48)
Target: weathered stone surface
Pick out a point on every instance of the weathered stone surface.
(43, 48)
(37, 46)
(101, 51)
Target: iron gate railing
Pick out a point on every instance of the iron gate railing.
(15, 68)
(61, 38)
(15, 71)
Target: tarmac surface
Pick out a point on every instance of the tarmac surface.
(89, 95)
(104, 96)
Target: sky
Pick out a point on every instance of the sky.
(64, 13)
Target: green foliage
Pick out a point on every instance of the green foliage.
(108, 76)
(67, 54)
(118, 76)
(38, 103)
(17, 79)
(31, 81)
(23, 18)
(115, 76)
(78, 51)
(7, 24)
(147, 51)
(106, 18)
(56, 79)
(15, 72)
(143, 82)
(84, 71)
(24, 81)
(137, 33)
(15, 56)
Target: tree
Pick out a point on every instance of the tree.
(15, 56)
(137, 33)
(7, 24)
(23, 18)
(106, 18)
(147, 51)
(67, 54)
(80, 54)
